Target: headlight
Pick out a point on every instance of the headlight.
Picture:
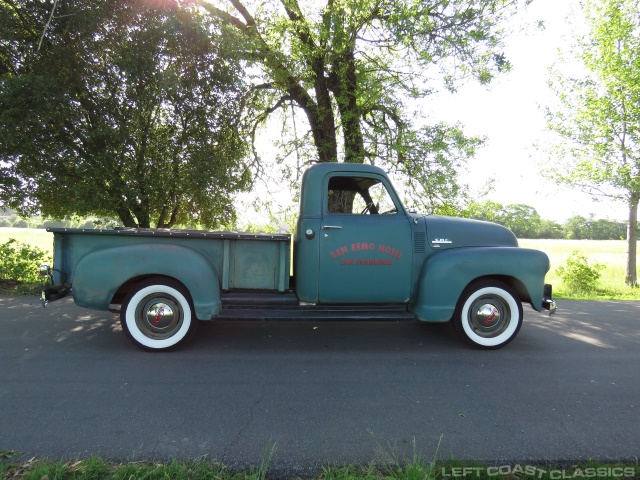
(44, 270)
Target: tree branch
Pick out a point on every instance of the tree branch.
(46, 27)
(227, 17)
(302, 28)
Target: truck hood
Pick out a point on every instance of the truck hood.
(452, 232)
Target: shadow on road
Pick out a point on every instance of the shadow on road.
(603, 324)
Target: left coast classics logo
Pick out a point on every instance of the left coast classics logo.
(380, 254)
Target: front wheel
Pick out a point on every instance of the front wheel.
(488, 315)
(158, 315)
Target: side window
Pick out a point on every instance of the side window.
(359, 196)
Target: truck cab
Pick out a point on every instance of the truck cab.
(356, 243)
(354, 240)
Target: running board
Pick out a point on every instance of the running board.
(286, 307)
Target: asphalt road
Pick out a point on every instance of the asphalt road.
(567, 388)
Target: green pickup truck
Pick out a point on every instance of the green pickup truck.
(357, 254)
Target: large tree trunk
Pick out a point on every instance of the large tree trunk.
(345, 85)
(324, 126)
(320, 116)
(632, 242)
(126, 218)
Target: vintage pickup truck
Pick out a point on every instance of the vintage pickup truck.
(357, 254)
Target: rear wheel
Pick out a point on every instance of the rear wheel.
(488, 315)
(158, 315)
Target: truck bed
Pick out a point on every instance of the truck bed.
(241, 260)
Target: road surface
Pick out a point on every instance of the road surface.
(567, 388)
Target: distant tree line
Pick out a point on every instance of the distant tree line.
(525, 222)
(10, 218)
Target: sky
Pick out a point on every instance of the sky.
(510, 114)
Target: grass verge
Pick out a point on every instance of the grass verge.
(417, 468)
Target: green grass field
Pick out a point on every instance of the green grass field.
(611, 253)
(30, 236)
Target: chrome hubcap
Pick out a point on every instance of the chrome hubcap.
(159, 316)
(489, 316)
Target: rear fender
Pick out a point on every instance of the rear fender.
(446, 274)
(100, 275)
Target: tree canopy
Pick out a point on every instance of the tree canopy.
(359, 71)
(131, 108)
(118, 108)
(597, 115)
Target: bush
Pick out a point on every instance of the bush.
(19, 266)
(57, 224)
(21, 224)
(577, 275)
(88, 224)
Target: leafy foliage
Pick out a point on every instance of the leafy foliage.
(578, 275)
(19, 266)
(122, 110)
(360, 71)
(598, 114)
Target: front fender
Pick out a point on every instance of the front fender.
(446, 274)
(100, 274)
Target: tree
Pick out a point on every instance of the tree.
(118, 109)
(598, 114)
(359, 70)
(581, 228)
(577, 228)
(488, 211)
(523, 220)
(603, 229)
(550, 229)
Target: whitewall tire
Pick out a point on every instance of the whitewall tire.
(488, 315)
(158, 315)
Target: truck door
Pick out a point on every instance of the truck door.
(365, 242)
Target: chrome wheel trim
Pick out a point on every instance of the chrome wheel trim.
(489, 316)
(511, 309)
(145, 336)
(159, 316)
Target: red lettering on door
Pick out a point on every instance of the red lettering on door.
(390, 251)
(339, 252)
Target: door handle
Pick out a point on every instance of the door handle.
(331, 227)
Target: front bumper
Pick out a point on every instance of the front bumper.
(548, 303)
